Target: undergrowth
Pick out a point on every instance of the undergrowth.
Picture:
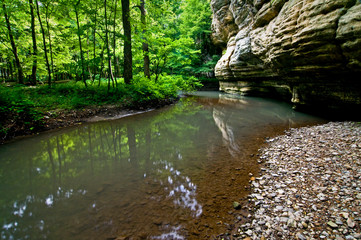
(22, 108)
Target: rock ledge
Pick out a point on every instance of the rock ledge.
(307, 51)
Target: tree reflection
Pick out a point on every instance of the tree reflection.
(138, 176)
(92, 177)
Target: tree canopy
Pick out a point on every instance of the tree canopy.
(46, 40)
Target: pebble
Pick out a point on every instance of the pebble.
(300, 236)
(236, 205)
(249, 232)
(310, 185)
(332, 224)
(350, 223)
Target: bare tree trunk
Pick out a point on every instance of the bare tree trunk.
(44, 43)
(11, 70)
(50, 42)
(128, 58)
(114, 43)
(118, 66)
(35, 48)
(14, 49)
(101, 65)
(146, 61)
(107, 45)
(88, 43)
(94, 40)
(80, 46)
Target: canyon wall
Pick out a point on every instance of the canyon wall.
(304, 51)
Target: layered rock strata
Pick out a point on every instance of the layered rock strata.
(307, 51)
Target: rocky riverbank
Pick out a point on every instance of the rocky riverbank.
(309, 186)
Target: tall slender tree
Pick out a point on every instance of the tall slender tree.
(110, 75)
(44, 43)
(80, 45)
(47, 15)
(114, 40)
(13, 46)
(128, 58)
(35, 48)
(94, 40)
(145, 46)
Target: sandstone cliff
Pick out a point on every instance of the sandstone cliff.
(305, 50)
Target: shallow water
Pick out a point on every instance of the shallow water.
(172, 173)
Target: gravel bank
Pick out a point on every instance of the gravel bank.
(310, 185)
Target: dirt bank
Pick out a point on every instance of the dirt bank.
(64, 118)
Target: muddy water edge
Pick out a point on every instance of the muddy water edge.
(173, 173)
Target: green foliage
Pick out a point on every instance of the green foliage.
(144, 91)
(177, 32)
(24, 107)
(179, 82)
(17, 110)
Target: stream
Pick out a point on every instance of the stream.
(171, 173)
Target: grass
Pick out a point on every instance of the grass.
(22, 108)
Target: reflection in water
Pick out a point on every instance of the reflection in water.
(238, 116)
(181, 189)
(144, 176)
(227, 132)
(173, 233)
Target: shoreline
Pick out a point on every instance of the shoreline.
(57, 119)
(309, 186)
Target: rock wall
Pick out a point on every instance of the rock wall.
(306, 51)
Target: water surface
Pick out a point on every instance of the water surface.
(172, 173)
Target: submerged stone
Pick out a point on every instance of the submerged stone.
(236, 205)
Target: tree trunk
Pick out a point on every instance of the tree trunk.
(114, 43)
(88, 60)
(80, 46)
(107, 45)
(128, 59)
(11, 70)
(50, 43)
(118, 66)
(14, 49)
(44, 43)
(35, 49)
(146, 61)
(94, 40)
(101, 65)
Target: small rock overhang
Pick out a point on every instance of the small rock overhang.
(305, 52)
(335, 95)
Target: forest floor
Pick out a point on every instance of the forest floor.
(309, 186)
(61, 118)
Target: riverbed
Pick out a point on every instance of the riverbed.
(309, 187)
(171, 173)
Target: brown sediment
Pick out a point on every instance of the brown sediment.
(227, 181)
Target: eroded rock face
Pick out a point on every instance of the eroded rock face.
(310, 49)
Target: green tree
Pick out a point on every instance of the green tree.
(13, 45)
(35, 48)
(82, 63)
(44, 43)
(87, 39)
